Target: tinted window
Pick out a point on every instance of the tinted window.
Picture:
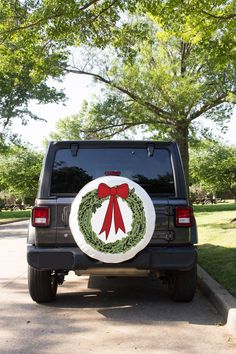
(71, 173)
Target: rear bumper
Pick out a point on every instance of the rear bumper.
(72, 258)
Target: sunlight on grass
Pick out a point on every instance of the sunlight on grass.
(217, 242)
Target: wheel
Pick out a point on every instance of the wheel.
(42, 285)
(182, 285)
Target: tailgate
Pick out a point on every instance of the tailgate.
(165, 230)
(64, 235)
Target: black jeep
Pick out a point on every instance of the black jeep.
(68, 166)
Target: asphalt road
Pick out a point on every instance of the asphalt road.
(99, 315)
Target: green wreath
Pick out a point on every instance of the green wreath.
(90, 203)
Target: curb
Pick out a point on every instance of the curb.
(11, 222)
(223, 301)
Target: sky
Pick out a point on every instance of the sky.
(77, 89)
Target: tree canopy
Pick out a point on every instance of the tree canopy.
(208, 23)
(164, 63)
(213, 167)
(35, 41)
(156, 82)
(36, 38)
(19, 172)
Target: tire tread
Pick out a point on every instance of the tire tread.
(42, 287)
(182, 285)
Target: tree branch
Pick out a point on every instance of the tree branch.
(226, 17)
(207, 106)
(42, 19)
(86, 6)
(154, 109)
(184, 52)
(109, 126)
(104, 10)
(122, 127)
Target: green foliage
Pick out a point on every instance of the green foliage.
(213, 166)
(168, 82)
(27, 60)
(35, 37)
(227, 206)
(210, 24)
(71, 128)
(19, 172)
(217, 243)
(165, 63)
(6, 216)
(2, 203)
(7, 139)
(163, 85)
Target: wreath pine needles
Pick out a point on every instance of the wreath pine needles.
(90, 203)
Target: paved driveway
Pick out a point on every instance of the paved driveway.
(99, 315)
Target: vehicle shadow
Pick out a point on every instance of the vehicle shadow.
(87, 308)
(133, 300)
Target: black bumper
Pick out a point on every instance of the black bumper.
(72, 258)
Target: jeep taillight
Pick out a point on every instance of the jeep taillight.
(40, 216)
(183, 216)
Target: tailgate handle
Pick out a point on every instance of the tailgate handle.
(65, 216)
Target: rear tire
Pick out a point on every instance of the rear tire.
(42, 285)
(182, 285)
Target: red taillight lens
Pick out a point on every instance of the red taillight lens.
(41, 216)
(183, 216)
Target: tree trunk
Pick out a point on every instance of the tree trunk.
(181, 137)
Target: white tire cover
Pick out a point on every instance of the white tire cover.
(112, 218)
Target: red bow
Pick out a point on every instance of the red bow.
(121, 191)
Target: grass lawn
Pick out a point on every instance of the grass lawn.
(217, 242)
(6, 216)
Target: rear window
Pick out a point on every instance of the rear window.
(154, 173)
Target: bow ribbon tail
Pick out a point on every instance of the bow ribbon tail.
(119, 223)
(108, 218)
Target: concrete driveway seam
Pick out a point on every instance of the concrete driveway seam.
(223, 301)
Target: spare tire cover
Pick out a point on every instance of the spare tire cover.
(112, 218)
